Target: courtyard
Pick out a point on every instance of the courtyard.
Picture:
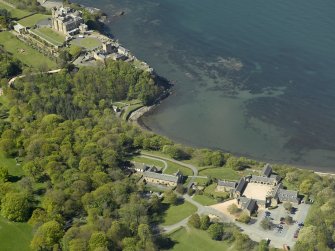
(257, 191)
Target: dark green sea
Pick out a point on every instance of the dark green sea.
(255, 78)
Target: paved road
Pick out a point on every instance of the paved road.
(193, 168)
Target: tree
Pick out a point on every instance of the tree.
(180, 189)
(47, 236)
(245, 218)
(170, 197)
(233, 209)
(263, 245)
(98, 240)
(16, 207)
(266, 223)
(287, 205)
(194, 221)
(306, 186)
(144, 234)
(288, 220)
(204, 222)
(215, 231)
(4, 175)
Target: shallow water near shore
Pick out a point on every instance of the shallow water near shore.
(277, 102)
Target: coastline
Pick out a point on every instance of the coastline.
(140, 123)
(136, 118)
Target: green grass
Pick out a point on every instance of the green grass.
(13, 169)
(50, 35)
(220, 173)
(15, 13)
(177, 213)
(201, 181)
(29, 56)
(15, 236)
(196, 240)
(173, 168)
(211, 190)
(89, 43)
(204, 200)
(33, 20)
(147, 161)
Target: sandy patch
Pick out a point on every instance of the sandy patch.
(257, 191)
(223, 207)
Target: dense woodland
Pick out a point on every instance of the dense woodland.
(75, 191)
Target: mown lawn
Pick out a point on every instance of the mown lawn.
(15, 13)
(204, 200)
(15, 236)
(89, 43)
(222, 173)
(173, 168)
(177, 213)
(50, 35)
(13, 168)
(196, 240)
(151, 162)
(23, 52)
(32, 20)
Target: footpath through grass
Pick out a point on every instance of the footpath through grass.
(196, 240)
(151, 162)
(33, 20)
(177, 213)
(15, 12)
(15, 236)
(23, 52)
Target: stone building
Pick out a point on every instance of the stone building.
(162, 179)
(226, 186)
(67, 21)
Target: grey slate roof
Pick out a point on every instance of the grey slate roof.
(288, 195)
(248, 204)
(226, 183)
(241, 185)
(161, 176)
(267, 170)
(262, 179)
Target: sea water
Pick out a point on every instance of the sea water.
(255, 78)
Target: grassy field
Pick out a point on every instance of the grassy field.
(196, 240)
(89, 43)
(177, 213)
(13, 169)
(15, 236)
(220, 173)
(173, 168)
(23, 52)
(204, 200)
(131, 109)
(32, 20)
(50, 35)
(16, 13)
(147, 161)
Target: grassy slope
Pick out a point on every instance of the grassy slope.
(177, 213)
(16, 13)
(15, 236)
(32, 20)
(173, 168)
(204, 200)
(88, 43)
(30, 56)
(220, 173)
(50, 35)
(147, 161)
(196, 240)
(13, 169)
